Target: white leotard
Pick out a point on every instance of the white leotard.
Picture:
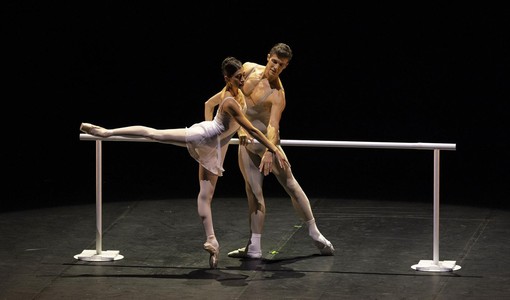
(206, 139)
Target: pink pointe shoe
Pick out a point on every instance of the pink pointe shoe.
(93, 130)
(215, 254)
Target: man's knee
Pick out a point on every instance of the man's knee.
(255, 190)
(258, 206)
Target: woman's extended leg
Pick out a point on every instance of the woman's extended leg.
(175, 136)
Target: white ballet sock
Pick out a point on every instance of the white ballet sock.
(313, 231)
(254, 247)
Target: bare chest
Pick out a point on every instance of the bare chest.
(258, 92)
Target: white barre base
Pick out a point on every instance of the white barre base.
(441, 266)
(92, 255)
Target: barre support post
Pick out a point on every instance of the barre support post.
(435, 265)
(99, 254)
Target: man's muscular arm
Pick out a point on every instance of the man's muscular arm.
(277, 106)
(273, 129)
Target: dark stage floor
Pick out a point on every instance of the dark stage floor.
(377, 243)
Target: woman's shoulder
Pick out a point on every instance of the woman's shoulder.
(229, 101)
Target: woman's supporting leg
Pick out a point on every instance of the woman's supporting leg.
(207, 185)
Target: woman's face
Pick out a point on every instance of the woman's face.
(238, 78)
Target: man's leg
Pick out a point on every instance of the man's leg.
(301, 204)
(248, 164)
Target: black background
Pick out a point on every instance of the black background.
(421, 73)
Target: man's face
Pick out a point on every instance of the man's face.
(275, 65)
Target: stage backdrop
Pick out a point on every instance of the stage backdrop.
(388, 74)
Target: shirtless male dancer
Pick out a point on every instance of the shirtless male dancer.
(265, 100)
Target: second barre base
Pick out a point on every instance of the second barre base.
(441, 266)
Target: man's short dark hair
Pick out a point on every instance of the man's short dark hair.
(281, 50)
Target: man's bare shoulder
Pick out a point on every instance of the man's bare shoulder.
(249, 66)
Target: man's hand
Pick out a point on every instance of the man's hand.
(266, 164)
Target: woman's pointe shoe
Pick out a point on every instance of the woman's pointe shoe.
(325, 246)
(93, 129)
(215, 254)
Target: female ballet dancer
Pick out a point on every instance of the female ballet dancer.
(206, 141)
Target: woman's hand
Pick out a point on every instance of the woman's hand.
(245, 140)
(282, 160)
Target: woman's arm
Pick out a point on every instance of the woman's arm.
(231, 107)
(210, 104)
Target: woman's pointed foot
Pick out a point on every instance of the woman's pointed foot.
(93, 130)
(214, 252)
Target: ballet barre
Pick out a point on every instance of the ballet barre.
(434, 265)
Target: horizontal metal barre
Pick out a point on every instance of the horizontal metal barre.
(306, 143)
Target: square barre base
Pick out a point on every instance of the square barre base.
(92, 255)
(441, 266)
